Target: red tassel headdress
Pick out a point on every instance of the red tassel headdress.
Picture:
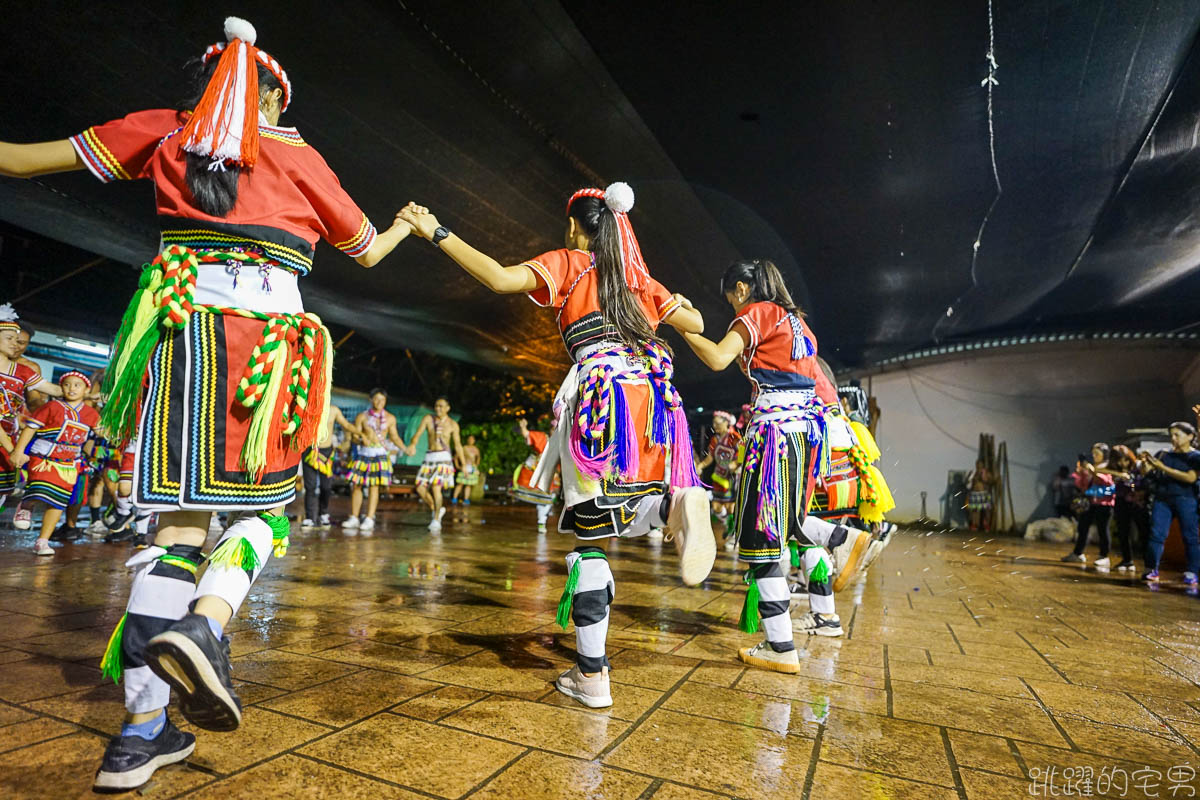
(619, 199)
(75, 374)
(224, 124)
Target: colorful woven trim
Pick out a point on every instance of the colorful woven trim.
(289, 369)
(603, 441)
(361, 241)
(99, 159)
(259, 251)
(767, 444)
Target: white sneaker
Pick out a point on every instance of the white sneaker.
(434, 526)
(761, 655)
(655, 535)
(689, 526)
(351, 524)
(818, 625)
(325, 523)
(306, 525)
(23, 519)
(593, 692)
(97, 529)
(849, 556)
(368, 525)
(42, 548)
(1102, 564)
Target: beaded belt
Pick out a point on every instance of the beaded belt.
(164, 302)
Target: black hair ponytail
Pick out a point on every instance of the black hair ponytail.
(618, 306)
(765, 282)
(215, 190)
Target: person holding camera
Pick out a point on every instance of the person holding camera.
(1172, 478)
(1094, 505)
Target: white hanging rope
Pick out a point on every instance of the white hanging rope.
(989, 83)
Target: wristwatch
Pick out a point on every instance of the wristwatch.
(439, 233)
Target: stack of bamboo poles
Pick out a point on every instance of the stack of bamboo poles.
(1002, 516)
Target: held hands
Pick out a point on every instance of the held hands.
(420, 219)
(18, 460)
(685, 303)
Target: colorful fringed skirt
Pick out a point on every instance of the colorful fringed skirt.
(9, 474)
(370, 468)
(225, 399)
(836, 494)
(785, 453)
(724, 485)
(468, 475)
(51, 482)
(320, 459)
(979, 501)
(621, 436)
(437, 469)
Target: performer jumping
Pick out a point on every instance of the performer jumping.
(199, 329)
(372, 464)
(522, 485)
(620, 429)
(437, 470)
(785, 450)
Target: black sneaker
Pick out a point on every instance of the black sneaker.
(120, 521)
(130, 761)
(128, 534)
(65, 533)
(188, 656)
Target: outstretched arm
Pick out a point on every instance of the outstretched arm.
(686, 318)
(485, 269)
(42, 158)
(340, 419)
(719, 355)
(458, 448)
(47, 387)
(393, 436)
(412, 446)
(385, 242)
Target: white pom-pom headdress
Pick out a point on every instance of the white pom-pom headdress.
(618, 197)
(8, 317)
(224, 124)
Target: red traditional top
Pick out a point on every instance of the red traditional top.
(290, 199)
(14, 383)
(62, 430)
(781, 355)
(724, 449)
(567, 280)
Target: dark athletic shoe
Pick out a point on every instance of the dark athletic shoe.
(65, 533)
(130, 761)
(120, 521)
(188, 656)
(126, 534)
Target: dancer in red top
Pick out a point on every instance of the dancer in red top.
(620, 431)
(722, 454)
(17, 379)
(241, 203)
(57, 432)
(785, 451)
(522, 486)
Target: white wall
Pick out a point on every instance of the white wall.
(1048, 402)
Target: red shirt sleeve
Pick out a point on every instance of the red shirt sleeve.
(659, 298)
(119, 150)
(551, 270)
(754, 318)
(48, 414)
(343, 223)
(825, 390)
(538, 440)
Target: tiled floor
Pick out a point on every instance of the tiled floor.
(402, 666)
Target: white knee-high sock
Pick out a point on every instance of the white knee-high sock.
(774, 598)
(237, 560)
(820, 593)
(590, 602)
(162, 588)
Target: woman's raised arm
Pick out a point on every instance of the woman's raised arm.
(40, 158)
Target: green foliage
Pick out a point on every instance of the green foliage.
(501, 447)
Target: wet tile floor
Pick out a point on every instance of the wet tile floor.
(403, 666)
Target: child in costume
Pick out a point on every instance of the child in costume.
(437, 469)
(723, 455)
(468, 473)
(785, 451)
(318, 472)
(372, 463)
(17, 380)
(241, 203)
(620, 430)
(55, 436)
(522, 485)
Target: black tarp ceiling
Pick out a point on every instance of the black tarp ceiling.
(847, 141)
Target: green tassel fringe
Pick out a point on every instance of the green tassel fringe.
(113, 664)
(281, 526)
(235, 554)
(794, 547)
(821, 572)
(563, 617)
(749, 621)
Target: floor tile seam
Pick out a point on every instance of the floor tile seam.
(1070, 627)
(611, 746)
(297, 717)
(954, 636)
(890, 775)
(813, 759)
(358, 668)
(955, 775)
(974, 617)
(1166, 722)
(651, 790)
(960, 688)
(695, 715)
(887, 681)
(1046, 710)
(1045, 658)
(42, 741)
(392, 708)
(496, 774)
(342, 768)
(1177, 672)
(1015, 751)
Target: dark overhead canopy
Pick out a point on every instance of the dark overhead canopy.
(847, 141)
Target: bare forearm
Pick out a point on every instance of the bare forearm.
(385, 243)
(707, 351)
(42, 158)
(487, 270)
